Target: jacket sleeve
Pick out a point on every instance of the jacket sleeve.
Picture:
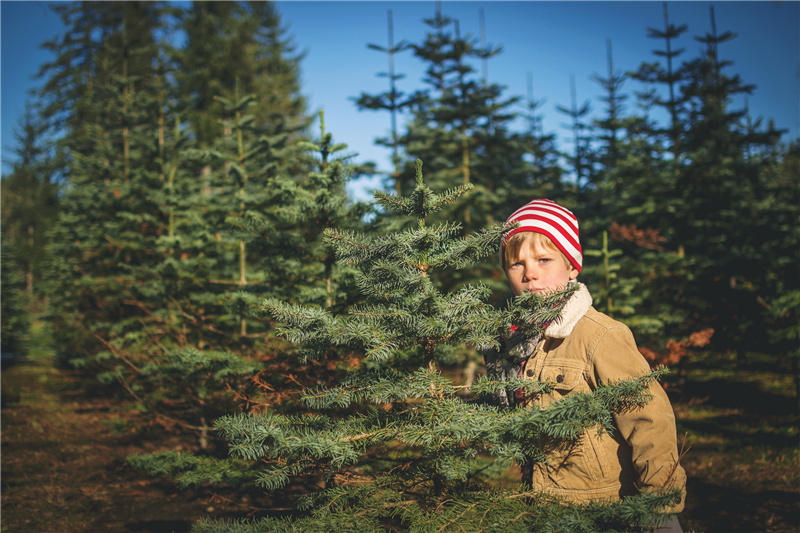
(650, 431)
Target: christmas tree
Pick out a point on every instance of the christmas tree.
(398, 445)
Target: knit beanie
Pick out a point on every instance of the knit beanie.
(549, 219)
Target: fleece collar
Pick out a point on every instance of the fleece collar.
(573, 310)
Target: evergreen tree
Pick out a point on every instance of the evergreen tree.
(130, 149)
(15, 319)
(460, 126)
(29, 199)
(393, 101)
(399, 447)
(283, 238)
(319, 202)
(93, 29)
(671, 192)
(612, 125)
(71, 74)
(230, 43)
(110, 218)
(779, 205)
(669, 75)
(631, 181)
(583, 158)
(545, 175)
(718, 185)
(666, 202)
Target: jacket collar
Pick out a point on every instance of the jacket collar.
(573, 310)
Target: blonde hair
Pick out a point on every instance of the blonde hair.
(531, 238)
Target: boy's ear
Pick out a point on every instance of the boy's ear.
(573, 273)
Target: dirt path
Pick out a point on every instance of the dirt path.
(63, 466)
(744, 461)
(64, 445)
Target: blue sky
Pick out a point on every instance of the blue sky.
(550, 40)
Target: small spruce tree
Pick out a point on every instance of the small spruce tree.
(395, 445)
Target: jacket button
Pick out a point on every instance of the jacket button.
(560, 379)
(529, 373)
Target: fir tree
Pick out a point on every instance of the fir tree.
(110, 218)
(29, 199)
(718, 187)
(545, 175)
(612, 125)
(320, 201)
(70, 81)
(460, 126)
(192, 377)
(230, 43)
(582, 159)
(15, 318)
(394, 442)
(670, 76)
(393, 101)
(191, 371)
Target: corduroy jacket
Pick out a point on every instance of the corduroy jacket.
(578, 353)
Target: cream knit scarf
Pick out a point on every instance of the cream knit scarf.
(508, 361)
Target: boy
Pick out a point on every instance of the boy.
(578, 352)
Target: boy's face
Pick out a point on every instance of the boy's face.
(539, 269)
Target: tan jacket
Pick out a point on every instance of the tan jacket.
(587, 348)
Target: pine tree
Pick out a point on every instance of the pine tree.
(667, 196)
(230, 43)
(460, 123)
(718, 188)
(779, 197)
(110, 219)
(395, 444)
(15, 318)
(681, 203)
(394, 101)
(194, 370)
(72, 77)
(71, 74)
(30, 199)
(668, 75)
(611, 126)
(545, 175)
(321, 201)
(460, 126)
(283, 239)
(582, 159)
(631, 180)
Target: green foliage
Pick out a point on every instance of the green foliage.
(29, 198)
(110, 217)
(190, 470)
(244, 41)
(15, 318)
(195, 211)
(396, 441)
(460, 125)
(687, 205)
(471, 511)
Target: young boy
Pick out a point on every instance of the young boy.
(581, 350)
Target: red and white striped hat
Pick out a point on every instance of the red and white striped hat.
(549, 219)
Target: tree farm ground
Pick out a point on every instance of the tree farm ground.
(65, 439)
